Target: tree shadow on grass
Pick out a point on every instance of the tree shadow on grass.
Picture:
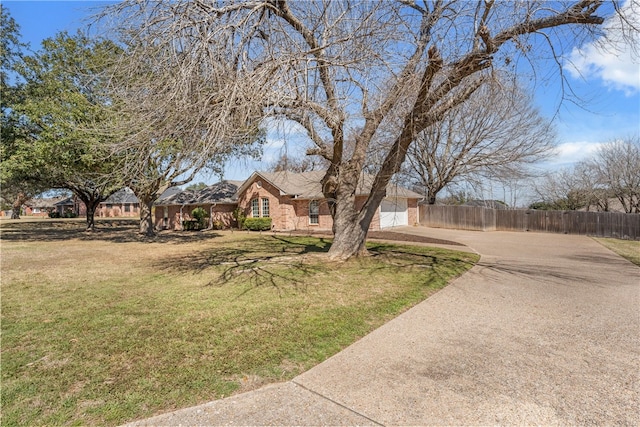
(116, 231)
(279, 262)
(435, 265)
(290, 262)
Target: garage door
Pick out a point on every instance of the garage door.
(393, 212)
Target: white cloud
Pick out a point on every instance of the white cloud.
(611, 58)
(573, 152)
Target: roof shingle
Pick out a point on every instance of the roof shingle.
(307, 185)
(221, 192)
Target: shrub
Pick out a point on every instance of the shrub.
(240, 217)
(191, 225)
(54, 214)
(257, 224)
(200, 215)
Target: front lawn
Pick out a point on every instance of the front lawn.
(102, 329)
(629, 249)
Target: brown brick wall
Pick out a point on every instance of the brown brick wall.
(301, 222)
(222, 213)
(116, 210)
(280, 207)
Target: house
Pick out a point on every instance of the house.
(70, 207)
(218, 200)
(41, 206)
(294, 201)
(122, 203)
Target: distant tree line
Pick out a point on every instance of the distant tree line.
(81, 114)
(611, 176)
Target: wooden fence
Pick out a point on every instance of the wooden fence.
(599, 224)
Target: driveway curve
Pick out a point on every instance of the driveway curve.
(544, 330)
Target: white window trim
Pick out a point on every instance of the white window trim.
(253, 211)
(316, 214)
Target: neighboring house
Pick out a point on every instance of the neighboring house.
(42, 206)
(294, 201)
(219, 200)
(613, 205)
(122, 203)
(70, 205)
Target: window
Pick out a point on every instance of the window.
(314, 212)
(255, 208)
(265, 207)
(35, 210)
(109, 206)
(127, 207)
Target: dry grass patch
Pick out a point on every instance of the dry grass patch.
(105, 328)
(629, 249)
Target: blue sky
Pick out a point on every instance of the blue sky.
(608, 82)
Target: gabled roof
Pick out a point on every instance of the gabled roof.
(124, 195)
(223, 192)
(300, 184)
(67, 201)
(307, 185)
(44, 203)
(169, 192)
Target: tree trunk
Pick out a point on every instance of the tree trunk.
(146, 220)
(16, 207)
(91, 199)
(431, 196)
(349, 239)
(349, 231)
(350, 224)
(91, 212)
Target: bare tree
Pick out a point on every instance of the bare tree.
(562, 190)
(594, 192)
(348, 69)
(495, 135)
(616, 168)
(178, 109)
(296, 164)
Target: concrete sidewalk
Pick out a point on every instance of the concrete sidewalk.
(544, 330)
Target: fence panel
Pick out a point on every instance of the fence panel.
(598, 224)
(459, 217)
(555, 221)
(511, 220)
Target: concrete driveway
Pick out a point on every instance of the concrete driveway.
(544, 330)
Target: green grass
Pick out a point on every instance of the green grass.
(100, 329)
(628, 249)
